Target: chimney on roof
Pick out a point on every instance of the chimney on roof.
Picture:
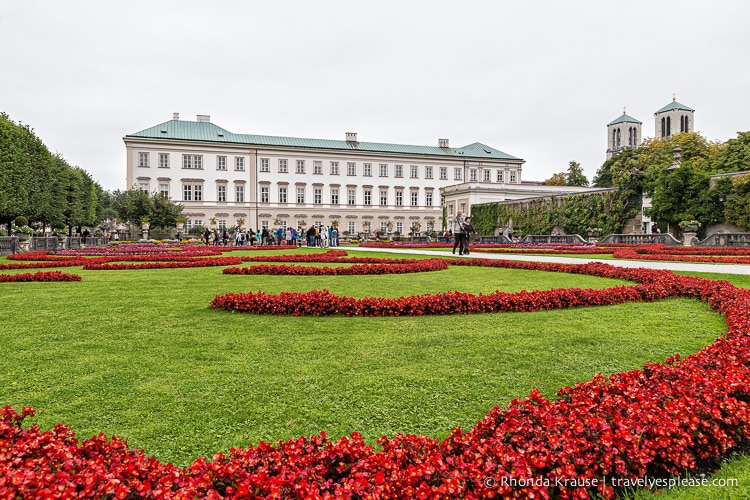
(204, 118)
(351, 137)
(442, 143)
(175, 116)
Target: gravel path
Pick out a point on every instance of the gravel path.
(672, 266)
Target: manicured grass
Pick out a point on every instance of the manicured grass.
(733, 478)
(139, 354)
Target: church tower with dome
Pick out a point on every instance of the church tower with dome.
(672, 119)
(625, 131)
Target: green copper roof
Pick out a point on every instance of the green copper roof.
(674, 105)
(208, 132)
(623, 119)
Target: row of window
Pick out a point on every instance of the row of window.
(399, 199)
(398, 170)
(632, 138)
(194, 192)
(191, 161)
(351, 169)
(196, 162)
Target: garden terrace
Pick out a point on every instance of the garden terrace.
(653, 419)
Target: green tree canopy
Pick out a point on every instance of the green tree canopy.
(575, 175)
(41, 186)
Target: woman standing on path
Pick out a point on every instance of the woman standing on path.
(458, 233)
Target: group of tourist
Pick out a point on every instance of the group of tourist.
(314, 236)
(462, 231)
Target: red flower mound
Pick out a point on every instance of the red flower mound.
(684, 254)
(38, 276)
(176, 264)
(660, 420)
(157, 256)
(415, 266)
(324, 303)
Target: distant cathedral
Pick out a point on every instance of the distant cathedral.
(625, 131)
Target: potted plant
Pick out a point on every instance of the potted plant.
(240, 222)
(180, 222)
(145, 223)
(689, 225)
(594, 232)
(389, 226)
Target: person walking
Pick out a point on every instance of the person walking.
(468, 230)
(458, 233)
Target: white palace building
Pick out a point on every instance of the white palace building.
(282, 181)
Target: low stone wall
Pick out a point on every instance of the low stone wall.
(642, 239)
(9, 245)
(726, 240)
(554, 239)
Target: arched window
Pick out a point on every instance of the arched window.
(663, 127)
(669, 126)
(687, 124)
(635, 137)
(618, 137)
(614, 138)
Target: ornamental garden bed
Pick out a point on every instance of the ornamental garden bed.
(661, 419)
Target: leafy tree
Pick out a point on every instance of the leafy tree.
(737, 204)
(41, 186)
(164, 213)
(133, 206)
(75, 211)
(18, 148)
(677, 193)
(49, 204)
(734, 156)
(557, 179)
(575, 175)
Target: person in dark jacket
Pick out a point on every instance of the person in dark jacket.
(458, 233)
(468, 230)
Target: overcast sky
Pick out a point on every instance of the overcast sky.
(537, 79)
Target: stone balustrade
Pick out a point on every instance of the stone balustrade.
(642, 239)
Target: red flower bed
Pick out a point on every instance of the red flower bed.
(664, 254)
(177, 264)
(324, 303)
(38, 276)
(163, 257)
(660, 420)
(416, 266)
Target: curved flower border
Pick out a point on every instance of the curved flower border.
(660, 420)
(415, 266)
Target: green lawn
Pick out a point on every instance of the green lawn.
(732, 481)
(139, 354)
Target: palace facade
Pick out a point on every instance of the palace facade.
(268, 181)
